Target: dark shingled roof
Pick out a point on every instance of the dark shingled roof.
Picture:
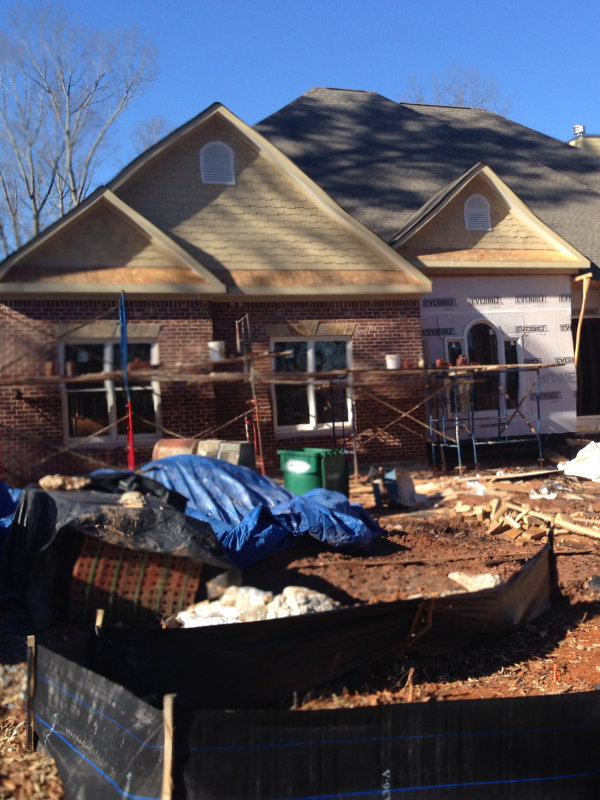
(382, 160)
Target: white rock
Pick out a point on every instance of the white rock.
(473, 583)
(245, 597)
(297, 600)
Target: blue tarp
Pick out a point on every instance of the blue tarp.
(9, 499)
(251, 515)
(254, 517)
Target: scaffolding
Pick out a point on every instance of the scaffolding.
(445, 413)
(454, 417)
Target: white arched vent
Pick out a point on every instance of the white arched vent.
(477, 213)
(216, 164)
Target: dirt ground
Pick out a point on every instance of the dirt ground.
(451, 529)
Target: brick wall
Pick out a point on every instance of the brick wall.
(31, 418)
(381, 327)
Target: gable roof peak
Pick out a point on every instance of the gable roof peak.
(166, 141)
(448, 193)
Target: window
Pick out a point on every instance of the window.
(216, 164)
(97, 408)
(311, 406)
(454, 348)
(482, 347)
(460, 391)
(477, 213)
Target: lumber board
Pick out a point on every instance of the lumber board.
(517, 476)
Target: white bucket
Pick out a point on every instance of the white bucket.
(216, 351)
(393, 361)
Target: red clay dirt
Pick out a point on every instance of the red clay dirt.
(557, 653)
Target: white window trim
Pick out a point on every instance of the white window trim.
(477, 213)
(110, 438)
(206, 166)
(313, 427)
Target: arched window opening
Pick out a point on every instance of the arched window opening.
(482, 345)
(216, 164)
(477, 213)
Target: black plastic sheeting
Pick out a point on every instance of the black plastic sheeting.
(155, 527)
(525, 748)
(46, 536)
(254, 664)
(108, 744)
(119, 482)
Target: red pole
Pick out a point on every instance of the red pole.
(258, 435)
(130, 447)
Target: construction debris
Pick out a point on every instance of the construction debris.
(248, 604)
(586, 463)
(394, 488)
(520, 520)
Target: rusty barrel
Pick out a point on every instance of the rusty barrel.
(173, 447)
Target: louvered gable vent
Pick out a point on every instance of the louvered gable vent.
(216, 164)
(477, 213)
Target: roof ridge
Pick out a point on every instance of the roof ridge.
(443, 105)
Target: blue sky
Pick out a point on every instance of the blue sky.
(257, 55)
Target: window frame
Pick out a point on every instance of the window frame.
(506, 376)
(312, 426)
(112, 437)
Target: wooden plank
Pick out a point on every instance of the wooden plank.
(567, 523)
(535, 532)
(169, 732)
(517, 476)
(500, 526)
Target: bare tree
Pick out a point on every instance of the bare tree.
(458, 86)
(62, 89)
(149, 132)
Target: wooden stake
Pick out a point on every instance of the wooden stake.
(585, 286)
(563, 521)
(30, 732)
(169, 731)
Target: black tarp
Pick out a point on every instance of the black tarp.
(253, 664)
(155, 527)
(108, 744)
(46, 535)
(119, 482)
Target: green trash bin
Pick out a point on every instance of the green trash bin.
(314, 468)
(301, 469)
